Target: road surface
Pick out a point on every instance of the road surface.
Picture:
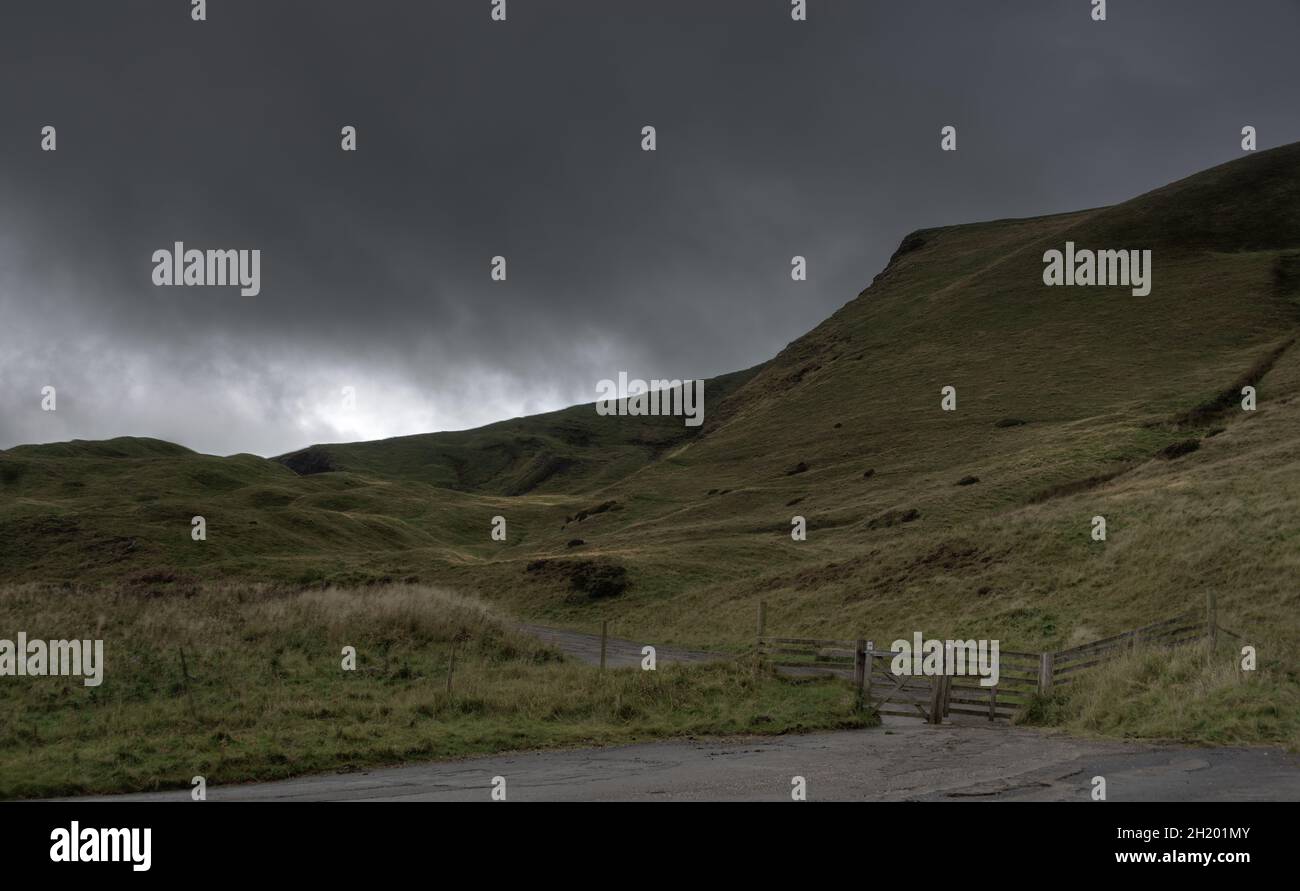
(903, 760)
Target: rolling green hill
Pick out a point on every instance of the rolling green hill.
(1071, 403)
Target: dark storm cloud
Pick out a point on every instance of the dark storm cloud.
(522, 139)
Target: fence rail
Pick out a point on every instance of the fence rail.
(1021, 676)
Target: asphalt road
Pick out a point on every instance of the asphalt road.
(904, 760)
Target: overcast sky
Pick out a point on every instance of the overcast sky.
(523, 139)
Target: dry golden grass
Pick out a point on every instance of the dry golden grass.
(1183, 694)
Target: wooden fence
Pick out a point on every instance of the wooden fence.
(1021, 676)
(1060, 668)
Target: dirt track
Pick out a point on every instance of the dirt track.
(618, 652)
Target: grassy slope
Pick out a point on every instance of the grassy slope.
(1100, 376)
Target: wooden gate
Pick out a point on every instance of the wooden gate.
(1016, 686)
(907, 696)
(935, 698)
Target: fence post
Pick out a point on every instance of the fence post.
(604, 635)
(866, 670)
(859, 662)
(189, 694)
(993, 702)
(936, 699)
(758, 643)
(1045, 665)
(949, 665)
(451, 667)
(1211, 620)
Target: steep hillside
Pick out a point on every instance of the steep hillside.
(1067, 398)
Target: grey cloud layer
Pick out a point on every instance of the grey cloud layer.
(522, 139)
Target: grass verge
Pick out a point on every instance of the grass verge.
(1180, 694)
(263, 695)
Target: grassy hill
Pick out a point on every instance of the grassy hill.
(1072, 403)
(570, 451)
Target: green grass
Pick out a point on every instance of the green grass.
(267, 697)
